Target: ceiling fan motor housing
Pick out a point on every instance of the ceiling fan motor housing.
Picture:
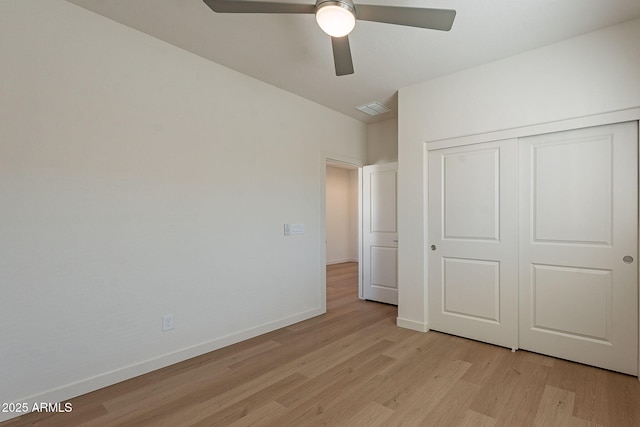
(346, 4)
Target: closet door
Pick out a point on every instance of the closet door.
(578, 246)
(472, 242)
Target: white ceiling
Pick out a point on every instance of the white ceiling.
(292, 53)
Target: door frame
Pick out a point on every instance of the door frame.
(609, 118)
(326, 159)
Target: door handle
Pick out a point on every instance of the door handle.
(395, 241)
(627, 259)
(433, 247)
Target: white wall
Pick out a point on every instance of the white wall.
(591, 74)
(382, 142)
(354, 214)
(342, 215)
(137, 180)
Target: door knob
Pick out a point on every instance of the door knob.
(433, 247)
(627, 259)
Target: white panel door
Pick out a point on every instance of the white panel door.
(380, 233)
(578, 246)
(472, 238)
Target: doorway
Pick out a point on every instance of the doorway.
(366, 199)
(341, 183)
(342, 220)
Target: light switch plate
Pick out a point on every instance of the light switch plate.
(290, 229)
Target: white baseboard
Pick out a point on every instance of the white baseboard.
(106, 379)
(412, 324)
(342, 261)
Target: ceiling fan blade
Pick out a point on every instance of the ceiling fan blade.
(434, 19)
(342, 55)
(227, 6)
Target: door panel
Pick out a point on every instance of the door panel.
(383, 201)
(578, 220)
(479, 194)
(472, 253)
(573, 177)
(480, 301)
(556, 288)
(384, 267)
(380, 235)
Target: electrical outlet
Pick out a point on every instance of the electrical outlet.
(167, 322)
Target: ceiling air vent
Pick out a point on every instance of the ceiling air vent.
(373, 108)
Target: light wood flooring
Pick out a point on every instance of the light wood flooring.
(354, 367)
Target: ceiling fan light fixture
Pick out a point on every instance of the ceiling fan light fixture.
(336, 18)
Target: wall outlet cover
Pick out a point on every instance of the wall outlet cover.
(167, 322)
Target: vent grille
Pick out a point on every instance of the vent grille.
(373, 108)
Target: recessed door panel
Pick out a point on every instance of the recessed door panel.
(471, 288)
(383, 201)
(471, 184)
(556, 289)
(573, 176)
(384, 267)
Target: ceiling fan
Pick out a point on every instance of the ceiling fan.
(338, 17)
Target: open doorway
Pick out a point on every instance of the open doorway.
(342, 233)
(376, 260)
(341, 212)
(342, 222)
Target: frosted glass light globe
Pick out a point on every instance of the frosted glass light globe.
(335, 19)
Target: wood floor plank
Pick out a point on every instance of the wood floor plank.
(314, 407)
(485, 361)
(262, 416)
(403, 382)
(354, 367)
(476, 419)
(416, 408)
(321, 360)
(337, 374)
(371, 415)
(556, 408)
(183, 381)
(622, 405)
(240, 409)
(519, 408)
(589, 386)
(512, 395)
(452, 407)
